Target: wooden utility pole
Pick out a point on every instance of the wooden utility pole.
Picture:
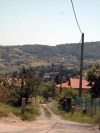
(61, 77)
(81, 66)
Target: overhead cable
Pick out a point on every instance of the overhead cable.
(76, 48)
(76, 17)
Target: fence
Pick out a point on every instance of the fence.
(92, 106)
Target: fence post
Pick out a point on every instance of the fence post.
(23, 105)
(68, 104)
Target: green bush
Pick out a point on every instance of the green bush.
(47, 89)
(33, 108)
(5, 110)
(28, 116)
(32, 111)
(66, 93)
(77, 117)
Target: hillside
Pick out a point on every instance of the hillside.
(13, 57)
(91, 50)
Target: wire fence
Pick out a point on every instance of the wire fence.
(90, 105)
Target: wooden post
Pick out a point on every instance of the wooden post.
(23, 105)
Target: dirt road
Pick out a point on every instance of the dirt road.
(44, 125)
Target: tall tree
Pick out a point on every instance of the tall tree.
(93, 76)
(29, 85)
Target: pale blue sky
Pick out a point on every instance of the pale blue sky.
(48, 22)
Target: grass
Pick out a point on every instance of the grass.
(47, 112)
(97, 119)
(39, 63)
(31, 113)
(28, 116)
(53, 107)
(5, 110)
(76, 116)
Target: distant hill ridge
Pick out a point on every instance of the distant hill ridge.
(91, 50)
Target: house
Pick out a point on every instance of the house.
(73, 83)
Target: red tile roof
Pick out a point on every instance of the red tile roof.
(74, 83)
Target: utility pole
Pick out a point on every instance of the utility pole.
(81, 66)
(61, 76)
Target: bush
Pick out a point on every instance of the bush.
(33, 108)
(66, 93)
(47, 89)
(32, 111)
(5, 110)
(28, 116)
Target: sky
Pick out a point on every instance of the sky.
(48, 22)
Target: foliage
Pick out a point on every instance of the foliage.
(4, 95)
(25, 85)
(93, 76)
(28, 116)
(33, 108)
(47, 89)
(29, 83)
(66, 93)
(77, 117)
(5, 110)
(14, 57)
(31, 113)
(15, 95)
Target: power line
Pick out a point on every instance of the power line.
(76, 47)
(76, 16)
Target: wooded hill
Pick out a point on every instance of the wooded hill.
(12, 56)
(91, 50)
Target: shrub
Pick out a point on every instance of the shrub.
(28, 116)
(66, 93)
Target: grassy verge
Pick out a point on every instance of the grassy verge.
(5, 110)
(31, 113)
(47, 112)
(97, 119)
(53, 106)
(76, 117)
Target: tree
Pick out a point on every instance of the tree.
(23, 86)
(57, 79)
(29, 84)
(15, 94)
(47, 89)
(72, 93)
(93, 77)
